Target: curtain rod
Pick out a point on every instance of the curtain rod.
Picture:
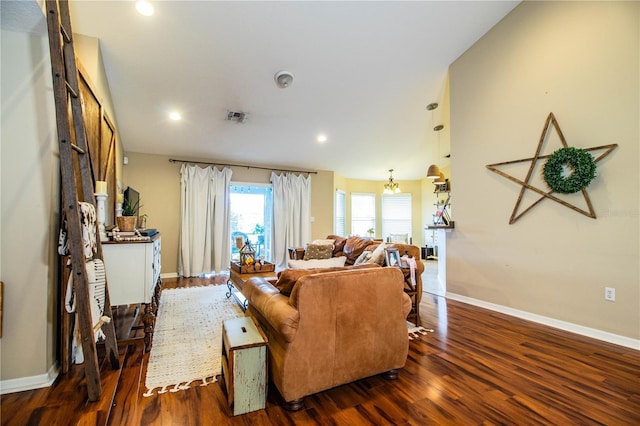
(173, 160)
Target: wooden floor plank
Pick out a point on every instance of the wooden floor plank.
(477, 367)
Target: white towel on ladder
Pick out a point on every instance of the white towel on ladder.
(96, 289)
(95, 276)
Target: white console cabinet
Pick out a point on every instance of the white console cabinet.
(133, 270)
(133, 277)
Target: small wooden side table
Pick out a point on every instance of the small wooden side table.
(412, 292)
(237, 281)
(244, 365)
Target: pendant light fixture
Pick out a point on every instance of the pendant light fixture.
(391, 187)
(433, 172)
(440, 179)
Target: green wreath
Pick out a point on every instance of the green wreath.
(582, 166)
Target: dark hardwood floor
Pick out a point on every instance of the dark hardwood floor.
(477, 368)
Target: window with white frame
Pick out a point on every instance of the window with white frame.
(340, 213)
(363, 213)
(396, 214)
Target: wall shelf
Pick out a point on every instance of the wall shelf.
(451, 225)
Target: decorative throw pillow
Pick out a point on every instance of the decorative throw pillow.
(364, 258)
(317, 263)
(378, 254)
(288, 278)
(318, 251)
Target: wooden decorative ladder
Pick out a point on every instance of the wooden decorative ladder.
(77, 185)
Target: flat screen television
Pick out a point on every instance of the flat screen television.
(133, 197)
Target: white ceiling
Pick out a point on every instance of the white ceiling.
(364, 72)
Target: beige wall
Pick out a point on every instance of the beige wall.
(322, 204)
(30, 211)
(579, 60)
(30, 191)
(158, 182)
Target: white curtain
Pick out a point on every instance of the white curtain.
(291, 214)
(204, 222)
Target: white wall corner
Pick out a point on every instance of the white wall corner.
(30, 383)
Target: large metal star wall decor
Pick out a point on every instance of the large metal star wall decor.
(550, 124)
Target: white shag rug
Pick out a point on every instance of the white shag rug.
(187, 339)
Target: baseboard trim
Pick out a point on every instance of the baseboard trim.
(551, 322)
(169, 275)
(29, 383)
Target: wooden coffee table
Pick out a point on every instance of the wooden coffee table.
(237, 281)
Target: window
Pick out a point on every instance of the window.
(396, 214)
(363, 213)
(340, 213)
(250, 210)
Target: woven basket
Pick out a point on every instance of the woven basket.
(126, 223)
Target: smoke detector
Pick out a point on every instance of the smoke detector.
(236, 116)
(283, 79)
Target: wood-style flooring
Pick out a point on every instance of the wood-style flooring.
(478, 367)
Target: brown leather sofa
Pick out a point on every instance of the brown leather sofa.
(352, 248)
(334, 328)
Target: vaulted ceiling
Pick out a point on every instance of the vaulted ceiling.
(363, 74)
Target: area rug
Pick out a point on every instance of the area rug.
(187, 339)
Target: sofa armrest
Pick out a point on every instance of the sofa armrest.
(273, 306)
(296, 253)
(406, 305)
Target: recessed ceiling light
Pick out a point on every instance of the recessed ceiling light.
(144, 7)
(175, 116)
(322, 138)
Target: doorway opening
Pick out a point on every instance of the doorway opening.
(434, 277)
(250, 207)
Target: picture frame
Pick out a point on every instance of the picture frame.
(392, 257)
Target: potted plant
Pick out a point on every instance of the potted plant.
(127, 222)
(258, 229)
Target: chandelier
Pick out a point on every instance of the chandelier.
(391, 187)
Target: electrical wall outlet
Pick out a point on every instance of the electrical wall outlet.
(610, 294)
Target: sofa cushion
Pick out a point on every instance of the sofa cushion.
(288, 278)
(354, 248)
(338, 244)
(318, 251)
(317, 263)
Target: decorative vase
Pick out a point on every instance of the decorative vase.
(142, 222)
(126, 223)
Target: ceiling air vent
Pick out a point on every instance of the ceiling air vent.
(239, 117)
